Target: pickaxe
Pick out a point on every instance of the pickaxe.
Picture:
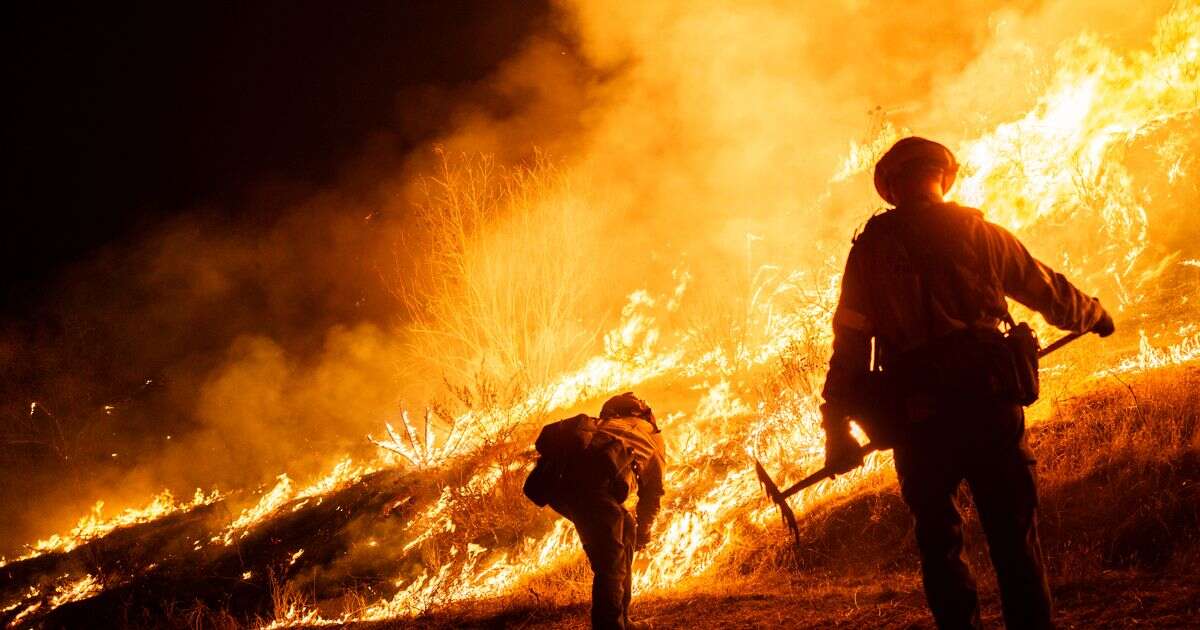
(780, 497)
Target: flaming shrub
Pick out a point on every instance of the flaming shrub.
(505, 284)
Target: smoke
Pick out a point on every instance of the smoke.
(202, 354)
(630, 143)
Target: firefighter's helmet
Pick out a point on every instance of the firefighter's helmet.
(627, 405)
(905, 154)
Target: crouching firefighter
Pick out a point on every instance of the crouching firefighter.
(920, 360)
(586, 470)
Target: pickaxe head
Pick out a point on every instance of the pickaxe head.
(785, 510)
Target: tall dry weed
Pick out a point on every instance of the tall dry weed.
(504, 288)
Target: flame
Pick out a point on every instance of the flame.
(1055, 175)
(1058, 163)
(94, 525)
(1149, 357)
(1062, 159)
(343, 474)
(65, 591)
(82, 588)
(297, 614)
(425, 452)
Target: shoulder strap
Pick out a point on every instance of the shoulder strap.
(920, 258)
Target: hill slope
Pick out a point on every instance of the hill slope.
(1120, 471)
(1120, 522)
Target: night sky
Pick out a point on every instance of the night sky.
(121, 117)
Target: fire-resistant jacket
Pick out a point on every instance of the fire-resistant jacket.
(886, 296)
(645, 443)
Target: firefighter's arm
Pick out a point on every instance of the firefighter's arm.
(848, 367)
(1034, 284)
(650, 491)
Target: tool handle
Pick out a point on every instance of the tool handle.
(1062, 341)
(825, 473)
(822, 474)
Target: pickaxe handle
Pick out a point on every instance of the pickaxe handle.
(821, 475)
(1062, 341)
(780, 497)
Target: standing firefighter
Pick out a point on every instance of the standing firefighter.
(586, 469)
(926, 282)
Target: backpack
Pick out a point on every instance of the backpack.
(573, 455)
(977, 364)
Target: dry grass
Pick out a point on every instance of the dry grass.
(1119, 470)
(504, 282)
(1122, 468)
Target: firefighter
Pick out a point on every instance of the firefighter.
(929, 275)
(609, 533)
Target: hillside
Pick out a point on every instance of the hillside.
(1120, 523)
(1120, 473)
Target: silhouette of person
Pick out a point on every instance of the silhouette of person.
(609, 533)
(923, 282)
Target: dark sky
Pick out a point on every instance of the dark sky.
(121, 116)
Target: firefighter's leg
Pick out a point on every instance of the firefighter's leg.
(600, 523)
(929, 485)
(1005, 492)
(629, 541)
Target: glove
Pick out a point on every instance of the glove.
(842, 452)
(1104, 326)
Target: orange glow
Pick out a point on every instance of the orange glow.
(94, 525)
(724, 313)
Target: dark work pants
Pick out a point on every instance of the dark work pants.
(608, 533)
(985, 446)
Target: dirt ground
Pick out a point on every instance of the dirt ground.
(1118, 599)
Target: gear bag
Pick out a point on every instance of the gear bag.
(574, 455)
(969, 364)
(1024, 345)
(977, 364)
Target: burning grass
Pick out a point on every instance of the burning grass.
(1120, 468)
(505, 289)
(509, 303)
